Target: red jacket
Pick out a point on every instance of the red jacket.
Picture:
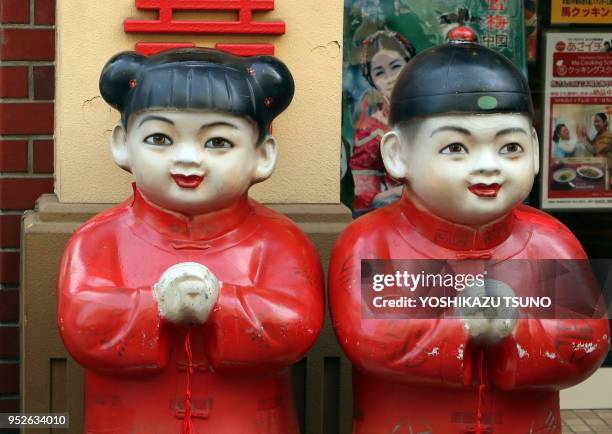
(423, 375)
(269, 313)
(369, 173)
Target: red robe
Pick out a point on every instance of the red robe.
(423, 375)
(269, 313)
(369, 173)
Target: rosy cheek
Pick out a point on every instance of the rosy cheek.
(234, 179)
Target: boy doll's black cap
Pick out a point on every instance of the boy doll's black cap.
(459, 77)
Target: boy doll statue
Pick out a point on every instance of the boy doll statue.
(463, 143)
(188, 303)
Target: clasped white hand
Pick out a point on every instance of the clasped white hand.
(489, 325)
(186, 292)
(489, 330)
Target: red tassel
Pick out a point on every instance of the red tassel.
(187, 424)
(481, 389)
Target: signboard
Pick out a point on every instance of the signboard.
(168, 23)
(581, 12)
(577, 141)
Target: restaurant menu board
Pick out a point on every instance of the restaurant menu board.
(577, 138)
(391, 26)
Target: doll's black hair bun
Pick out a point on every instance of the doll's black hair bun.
(118, 77)
(259, 87)
(275, 82)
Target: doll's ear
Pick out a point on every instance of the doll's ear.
(266, 153)
(535, 143)
(394, 156)
(119, 148)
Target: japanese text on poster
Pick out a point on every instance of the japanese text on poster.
(581, 12)
(577, 161)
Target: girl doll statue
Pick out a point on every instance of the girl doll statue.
(384, 54)
(463, 143)
(188, 303)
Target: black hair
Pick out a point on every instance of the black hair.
(557, 132)
(530, 5)
(603, 118)
(383, 40)
(259, 87)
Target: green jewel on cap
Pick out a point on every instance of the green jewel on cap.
(487, 102)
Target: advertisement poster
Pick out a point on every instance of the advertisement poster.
(380, 37)
(531, 28)
(578, 108)
(581, 12)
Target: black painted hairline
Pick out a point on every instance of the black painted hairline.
(412, 125)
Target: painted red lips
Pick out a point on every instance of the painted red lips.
(187, 181)
(485, 190)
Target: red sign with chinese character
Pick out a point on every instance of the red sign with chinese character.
(244, 25)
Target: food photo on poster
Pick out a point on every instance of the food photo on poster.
(579, 160)
(577, 151)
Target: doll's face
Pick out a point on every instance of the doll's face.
(385, 67)
(192, 162)
(468, 169)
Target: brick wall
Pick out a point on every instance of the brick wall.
(27, 52)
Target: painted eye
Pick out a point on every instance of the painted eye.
(511, 148)
(158, 139)
(454, 148)
(218, 143)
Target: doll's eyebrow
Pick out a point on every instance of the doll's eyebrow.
(156, 118)
(451, 128)
(219, 124)
(511, 130)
